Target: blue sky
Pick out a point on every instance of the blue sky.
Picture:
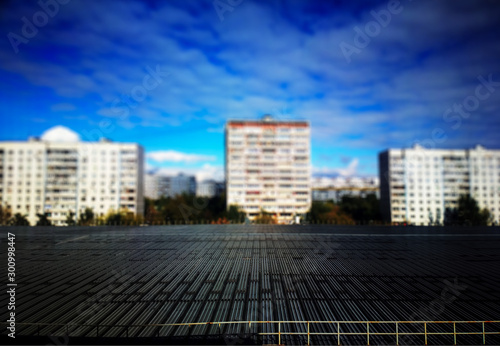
(168, 74)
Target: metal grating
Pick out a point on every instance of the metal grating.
(72, 279)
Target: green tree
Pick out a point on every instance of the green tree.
(318, 208)
(87, 217)
(467, 213)
(114, 218)
(123, 218)
(361, 209)
(153, 216)
(451, 217)
(235, 215)
(265, 218)
(187, 208)
(5, 215)
(19, 220)
(70, 219)
(327, 212)
(43, 220)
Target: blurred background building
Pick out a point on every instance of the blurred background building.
(417, 185)
(333, 189)
(209, 188)
(58, 174)
(268, 167)
(182, 183)
(155, 186)
(158, 185)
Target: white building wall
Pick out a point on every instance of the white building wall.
(182, 183)
(57, 178)
(422, 183)
(151, 186)
(206, 188)
(268, 166)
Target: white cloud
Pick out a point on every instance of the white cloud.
(60, 134)
(176, 156)
(388, 96)
(349, 171)
(207, 171)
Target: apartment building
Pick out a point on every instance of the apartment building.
(209, 188)
(152, 188)
(335, 194)
(268, 167)
(157, 185)
(182, 183)
(333, 189)
(417, 184)
(58, 177)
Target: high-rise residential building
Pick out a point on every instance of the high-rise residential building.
(59, 174)
(268, 167)
(417, 185)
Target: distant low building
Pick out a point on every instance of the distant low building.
(333, 189)
(335, 194)
(157, 185)
(182, 183)
(209, 188)
(151, 186)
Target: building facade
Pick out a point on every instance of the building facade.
(209, 188)
(56, 178)
(157, 185)
(268, 167)
(335, 194)
(417, 185)
(180, 184)
(333, 189)
(152, 186)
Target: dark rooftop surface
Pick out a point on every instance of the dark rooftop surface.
(120, 277)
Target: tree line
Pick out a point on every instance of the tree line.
(86, 218)
(352, 210)
(189, 209)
